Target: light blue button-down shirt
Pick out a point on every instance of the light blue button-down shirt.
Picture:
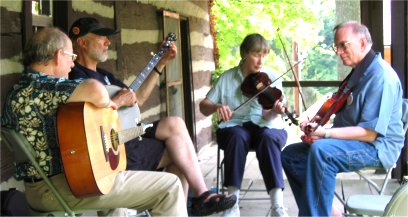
(227, 91)
(377, 105)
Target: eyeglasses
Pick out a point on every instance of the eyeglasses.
(342, 46)
(73, 56)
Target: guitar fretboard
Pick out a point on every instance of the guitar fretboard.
(152, 63)
(131, 133)
(146, 71)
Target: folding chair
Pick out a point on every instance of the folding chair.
(371, 183)
(24, 152)
(380, 205)
(244, 191)
(381, 188)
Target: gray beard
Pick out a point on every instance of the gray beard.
(99, 58)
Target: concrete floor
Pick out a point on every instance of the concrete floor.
(351, 182)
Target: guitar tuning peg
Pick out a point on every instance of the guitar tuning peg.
(152, 53)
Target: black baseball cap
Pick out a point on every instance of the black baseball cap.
(84, 25)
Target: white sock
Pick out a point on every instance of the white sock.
(233, 211)
(276, 195)
(233, 190)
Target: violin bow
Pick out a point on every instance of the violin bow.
(291, 68)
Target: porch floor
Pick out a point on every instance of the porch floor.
(352, 184)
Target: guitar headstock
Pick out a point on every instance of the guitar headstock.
(171, 37)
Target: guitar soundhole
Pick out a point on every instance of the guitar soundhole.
(114, 139)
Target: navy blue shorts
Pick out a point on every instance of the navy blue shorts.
(145, 154)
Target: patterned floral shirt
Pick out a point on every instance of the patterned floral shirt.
(30, 109)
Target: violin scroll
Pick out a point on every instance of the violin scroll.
(291, 117)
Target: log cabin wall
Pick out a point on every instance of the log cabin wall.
(10, 67)
(140, 24)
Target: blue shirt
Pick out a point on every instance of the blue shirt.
(377, 105)
(227, 91)
(30, 109)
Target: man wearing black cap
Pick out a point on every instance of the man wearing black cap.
(43, 87)
(177, 155)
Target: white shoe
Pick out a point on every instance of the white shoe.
(279, 211)
(232, 212)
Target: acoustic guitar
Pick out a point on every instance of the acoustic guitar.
(130, 116)
(91, 146)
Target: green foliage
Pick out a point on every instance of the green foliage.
(236, 19)
(308, 23)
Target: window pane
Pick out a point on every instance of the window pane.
(319, 62)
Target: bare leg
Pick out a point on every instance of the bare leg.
(173, 131)
(166, 162)
(174, 169)
(336, 212)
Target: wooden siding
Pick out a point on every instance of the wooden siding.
(140, 23)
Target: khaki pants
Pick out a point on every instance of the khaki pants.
(159, 192)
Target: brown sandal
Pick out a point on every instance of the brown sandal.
(216, 203)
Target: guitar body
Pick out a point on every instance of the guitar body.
(91, 162)
(129, 117)
(90, 144)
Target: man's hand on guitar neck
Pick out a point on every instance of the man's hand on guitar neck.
(125, 97)
(170, 54)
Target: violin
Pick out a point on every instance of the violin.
(257, 84)
(329, 107)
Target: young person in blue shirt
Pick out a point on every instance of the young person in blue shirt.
(251, 126)
(367, 130)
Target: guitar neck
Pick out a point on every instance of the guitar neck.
(131, 133)
(135, 85)
(146, 71)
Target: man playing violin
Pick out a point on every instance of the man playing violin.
(177, 154)
(367, 130)
(250, 126)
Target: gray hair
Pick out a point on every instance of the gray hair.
(42, 47)
(358, 29)
(254, 43)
